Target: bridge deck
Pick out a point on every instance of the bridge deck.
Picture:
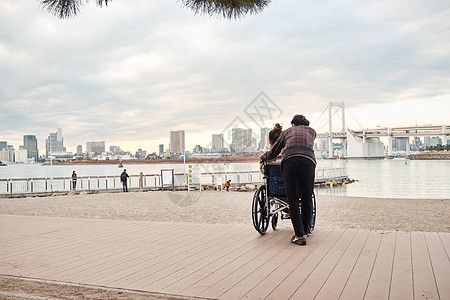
(227, 261)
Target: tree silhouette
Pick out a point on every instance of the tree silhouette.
(230, 9)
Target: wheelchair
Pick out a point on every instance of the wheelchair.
(270, 202)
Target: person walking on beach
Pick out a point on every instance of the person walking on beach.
(74, 180)
(227, 184)
(298, 165)
(124, 179)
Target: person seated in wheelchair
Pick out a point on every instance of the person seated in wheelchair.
(273, 136)
(298, 164)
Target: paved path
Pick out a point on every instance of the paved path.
(227, 261)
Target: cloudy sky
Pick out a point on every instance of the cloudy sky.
(129, 73)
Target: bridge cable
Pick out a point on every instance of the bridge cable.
(335, 111)
(354, 118)
(320, 116)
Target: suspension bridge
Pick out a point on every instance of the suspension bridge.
(365, 142)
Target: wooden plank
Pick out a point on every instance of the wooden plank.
(229, 275)
(190, 282)
(217, 250)
(423, 276)
(157, 259)
(316, 279)
(233, 261)
(120, 251)
(380, 279)
(62, 255)
(335, 283)
(402, 274)
(174, 258)
(355, 287)
(440, 264)
(279, 274)
(445, 239)
(296, 278)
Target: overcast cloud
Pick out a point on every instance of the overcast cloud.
(129, 73)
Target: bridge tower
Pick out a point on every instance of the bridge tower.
(340, 105)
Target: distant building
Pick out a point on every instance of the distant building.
(217, 143)
(95, 147)
(3, 145)
(31, 145)
(161, 150)
(177, 141)
(7, 155)
(399, 144)
(115, 149)
(237, 139)
(264, 143)
(141, 154)
(54, 142)
(79, 150)
(248, 137)
(21, 156)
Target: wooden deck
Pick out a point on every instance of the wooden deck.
(227, 261)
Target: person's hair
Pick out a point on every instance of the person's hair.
(300, 120)
(275, 133)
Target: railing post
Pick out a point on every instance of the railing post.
(106, 182)
(141, 181)
(11, 186)
(46, 186)
(89, 183)
(98, 182)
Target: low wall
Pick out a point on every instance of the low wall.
(430, 156)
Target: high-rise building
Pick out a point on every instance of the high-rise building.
(30, 143)
(217, 143)
(161, 149)
(237, 138)
(79, 150)
(177, 142)
(54, 142)
(264, 143)
(3, 145)
(95, 147)
(247, 134)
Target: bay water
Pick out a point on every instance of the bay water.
(387, 178)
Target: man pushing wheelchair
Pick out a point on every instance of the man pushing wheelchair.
(298, 165)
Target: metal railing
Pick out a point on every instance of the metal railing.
(142, 181)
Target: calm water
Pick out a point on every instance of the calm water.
(375, 178)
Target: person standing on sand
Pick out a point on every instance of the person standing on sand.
(298, 165)
(124, 179)
(74, 180)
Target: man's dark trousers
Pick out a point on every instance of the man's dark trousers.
(298, 175)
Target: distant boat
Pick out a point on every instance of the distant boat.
(2, 164)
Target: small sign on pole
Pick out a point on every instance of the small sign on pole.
(167, 179)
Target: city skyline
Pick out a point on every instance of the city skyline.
(389, 62)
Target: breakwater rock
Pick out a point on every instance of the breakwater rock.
(430, 156)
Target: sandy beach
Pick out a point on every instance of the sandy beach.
(235, 208)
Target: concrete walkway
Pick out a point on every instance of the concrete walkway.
(220, 261)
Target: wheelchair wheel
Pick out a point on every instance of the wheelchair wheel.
(260, 211)
(275, 221)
